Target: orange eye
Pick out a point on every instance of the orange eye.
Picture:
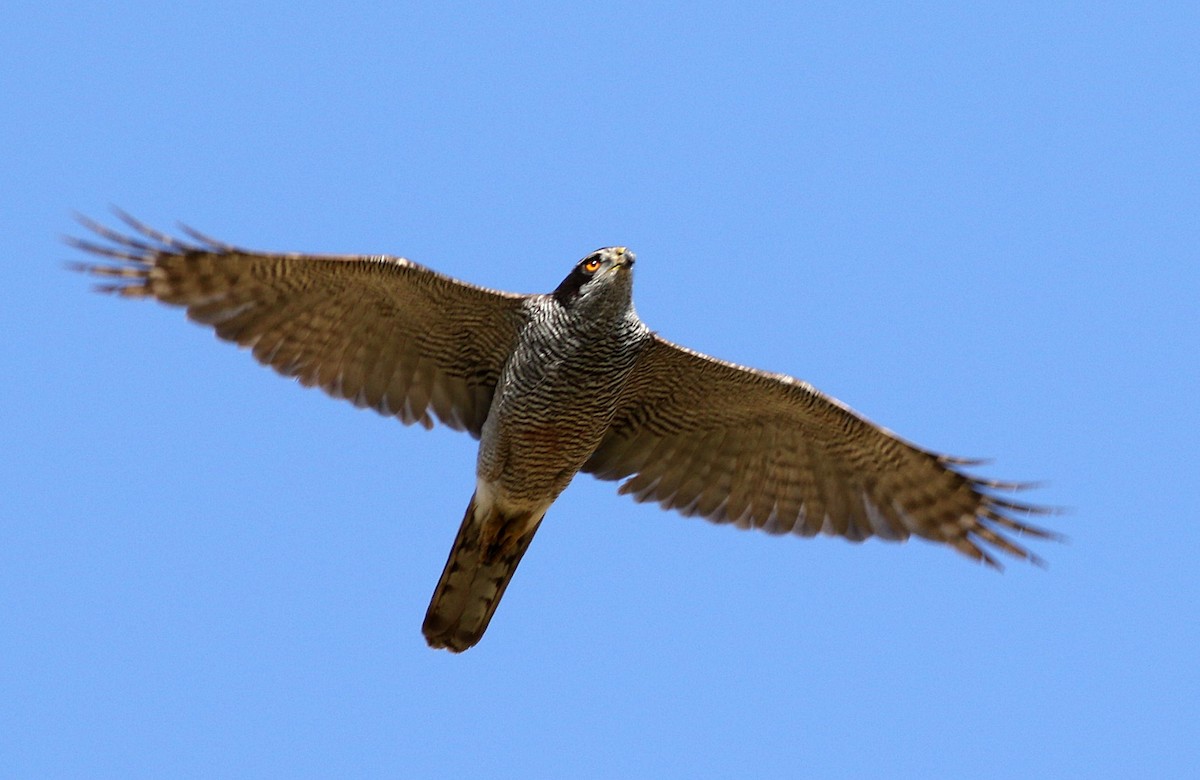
(591, 266)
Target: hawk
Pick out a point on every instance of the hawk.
(557, 384)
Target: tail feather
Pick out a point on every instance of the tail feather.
(481, 563)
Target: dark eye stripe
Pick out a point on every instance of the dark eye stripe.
(584, 270)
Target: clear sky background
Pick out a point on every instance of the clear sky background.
(979, 227)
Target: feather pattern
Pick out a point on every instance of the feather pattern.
(556, 384)
(760, 450)
(382, 332)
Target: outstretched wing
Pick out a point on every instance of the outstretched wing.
(759, 450)
(381, 332)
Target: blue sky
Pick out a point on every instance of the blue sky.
(976, 225)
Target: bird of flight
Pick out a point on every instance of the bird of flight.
(557, 384)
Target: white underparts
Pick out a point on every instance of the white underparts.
(490, 500)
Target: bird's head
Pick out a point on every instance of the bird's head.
(605, 275)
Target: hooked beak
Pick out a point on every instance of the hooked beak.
(625, 258)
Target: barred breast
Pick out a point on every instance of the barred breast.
(556, 397)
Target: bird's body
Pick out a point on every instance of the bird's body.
(553, 404)
(556, 384)
(558, 391)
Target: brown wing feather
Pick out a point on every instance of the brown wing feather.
(381, 332)
(760, 450)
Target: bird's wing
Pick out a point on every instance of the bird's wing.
(381, 332)
(759, 450)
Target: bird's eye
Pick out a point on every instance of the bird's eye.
(591, 266)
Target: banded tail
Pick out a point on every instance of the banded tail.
(482, 561)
